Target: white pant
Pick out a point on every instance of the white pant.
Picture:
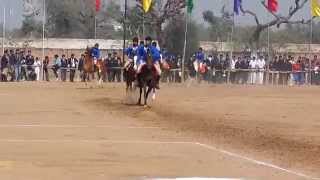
(156, 66)
(37, 71)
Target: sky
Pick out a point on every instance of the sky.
(14, 18)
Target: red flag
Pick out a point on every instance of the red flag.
(273, 5)
(98, 5)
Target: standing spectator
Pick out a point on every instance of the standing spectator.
(37, 68)
(45, 69)
(261, 63)
(108, 61)
(23, 67)
(80, 67)
(253, 74)
(72, 64)
(29, 63)
(117, 65)
(12, 64)
(4, 65)
(63, 69)
(56, 66)
(19, 57)
(233, 71)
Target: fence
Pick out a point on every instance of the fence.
(239, 76)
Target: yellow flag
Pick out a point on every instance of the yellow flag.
(315, 7)
(146, 5)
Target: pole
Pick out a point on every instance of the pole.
(3, 29)
(310, 50)
(143, 26)
(268, 60)
(184, 48)
(232, 49)
(124, 29)
(95, 27)
(43, 37)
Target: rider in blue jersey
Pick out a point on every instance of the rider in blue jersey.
(132, 53)
(95, 53)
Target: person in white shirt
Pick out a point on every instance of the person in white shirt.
(253, 65)
(233, 63)
(261, 63)
(37, 66)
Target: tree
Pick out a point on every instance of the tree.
(161, 12)
(220, 27)
(278, 19)
(174, 36)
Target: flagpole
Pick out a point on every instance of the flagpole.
(184, 47)
(124, 29)
(43, 37)
(231, 53)
(3, 29)
(310, 49)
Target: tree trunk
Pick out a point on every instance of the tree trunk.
(159, 34)
(255, 38)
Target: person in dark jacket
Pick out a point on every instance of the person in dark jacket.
(46, 68)
(64, 66)
(80, 67)
(4, 65)
(12, 63)
(72, 64)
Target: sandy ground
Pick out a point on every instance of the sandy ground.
(66, 131)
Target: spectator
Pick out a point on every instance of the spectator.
(12, 64)
(46, 69)
(23, 67)
(56, 66)
(80, 67)
(254, 67)
(72, 64)
(63, 69)
(19, 57)
(261, 63)
(233, 72)
(4, 65)
(37, 68)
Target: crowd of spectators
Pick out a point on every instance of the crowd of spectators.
(17, 65)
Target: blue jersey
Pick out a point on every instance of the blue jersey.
(200, 56)
(155, 53)
(131, 52)
(95, 52)
(141, 53)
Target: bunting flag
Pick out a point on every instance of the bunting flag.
(190, 6)
(273, 5)
(236, 6)
(315, 8)
(98, 5)
(146, 4)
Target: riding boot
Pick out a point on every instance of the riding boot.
(157, 82)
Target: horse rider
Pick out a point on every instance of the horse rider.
(95, 53)
(199, 59)
(131, 53)
(155, 54)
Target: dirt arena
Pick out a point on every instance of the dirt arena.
(66, 131)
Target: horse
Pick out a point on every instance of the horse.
(90, 68)
(147, 80)
(130, 76)
(201, 71)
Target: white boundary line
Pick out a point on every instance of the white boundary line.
(74, 126)
(205, 146)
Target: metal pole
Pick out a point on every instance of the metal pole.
(231, 53)
(3, 29)
(268, 60)
(310, 50)
(184, 48)
(43, 37)
(124, 29)
(95, 27)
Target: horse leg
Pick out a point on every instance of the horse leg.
(139, 101)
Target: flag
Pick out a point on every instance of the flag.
(146, 4)
(315, 8)
(98, 5)
(236, 6)
(190, 6)
(273, 5)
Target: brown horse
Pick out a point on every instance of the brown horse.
(147, 80)
(90, 68)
